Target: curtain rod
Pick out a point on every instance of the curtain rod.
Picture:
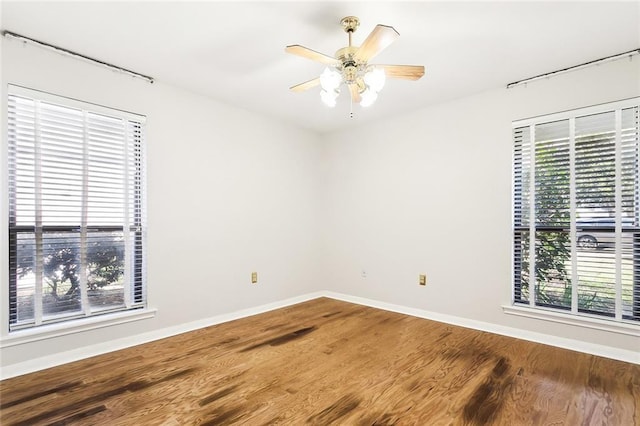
(61, 50)
(629, 54)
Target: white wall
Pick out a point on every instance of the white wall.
(229, 192)
(430, 193)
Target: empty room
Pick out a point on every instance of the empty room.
(319, 212)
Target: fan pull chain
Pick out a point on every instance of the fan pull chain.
(350, 107)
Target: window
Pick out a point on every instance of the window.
(76, 209)
(576, 203)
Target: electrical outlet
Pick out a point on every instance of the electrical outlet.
(363, 273)
(423, 279)
(254, 277)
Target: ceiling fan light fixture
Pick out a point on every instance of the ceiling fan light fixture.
(329, 97)
(330, 80)
(350, 66)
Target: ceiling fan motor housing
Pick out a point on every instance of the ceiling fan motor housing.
(350, 69)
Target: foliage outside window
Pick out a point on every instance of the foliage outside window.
(76, 209)
(576, 203)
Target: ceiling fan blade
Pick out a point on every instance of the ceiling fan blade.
(355, 93)
(306, 85)
(381, 37)
(405, 72)
(305, 52)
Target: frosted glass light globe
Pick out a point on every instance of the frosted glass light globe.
(330, 80)
(329, 97)
(368, 98)
(375, 79)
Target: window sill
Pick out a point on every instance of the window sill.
(624, 327)
(44, 332)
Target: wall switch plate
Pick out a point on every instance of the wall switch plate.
(423, 279)
(254, 277)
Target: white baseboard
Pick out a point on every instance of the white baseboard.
(60, 358)
(114, 345)
(561, 342)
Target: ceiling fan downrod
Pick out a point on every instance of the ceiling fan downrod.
(350, 24)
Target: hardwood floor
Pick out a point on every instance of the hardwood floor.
(330, 362)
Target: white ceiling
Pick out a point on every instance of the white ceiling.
(234, 51)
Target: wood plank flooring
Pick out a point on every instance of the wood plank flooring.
(329, 362)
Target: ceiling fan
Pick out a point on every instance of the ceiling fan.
(350, 66)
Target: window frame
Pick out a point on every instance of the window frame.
(32, 330)
(572, 315)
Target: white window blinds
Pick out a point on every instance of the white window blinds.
(576, 203)
(76, 209)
